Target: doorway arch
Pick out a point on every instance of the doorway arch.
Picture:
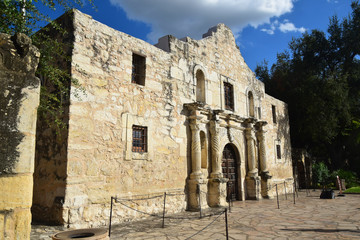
(229, 167)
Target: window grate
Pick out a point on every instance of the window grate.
(229, 96)
(139, 141)
(138, 69)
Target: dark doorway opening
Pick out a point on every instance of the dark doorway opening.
(230, 171)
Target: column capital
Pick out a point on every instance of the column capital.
(194, 126)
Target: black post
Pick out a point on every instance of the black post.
(163, 223)
(285, 190)
(111, 206)
(297, 195)
(226, 224)
(277, 196)
(199, 192)
(294, 191)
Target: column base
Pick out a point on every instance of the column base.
(253, 186)
(217, 192)
(194, 202)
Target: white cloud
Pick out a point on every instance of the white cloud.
(285, 26)
(194, 17)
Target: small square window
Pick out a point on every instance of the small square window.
(139, 141)
(229, 96)
(138, 69)
(278, 151)
(273, 108)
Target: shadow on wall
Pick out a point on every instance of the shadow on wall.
(283, 132)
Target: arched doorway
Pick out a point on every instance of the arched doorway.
(230, 171)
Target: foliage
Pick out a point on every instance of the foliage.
(319, 78)
(349, 176)
(27, 17)
(321, 173)
(353, 190)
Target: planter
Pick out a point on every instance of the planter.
(86, 233)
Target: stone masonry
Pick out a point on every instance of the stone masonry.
(209, 132)
(19, 99)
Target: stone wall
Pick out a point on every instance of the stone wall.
(183, 127)
(52, 142)
(19, 99)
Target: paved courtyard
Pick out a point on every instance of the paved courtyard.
(309, 218)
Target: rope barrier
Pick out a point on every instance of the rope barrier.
(205, 226)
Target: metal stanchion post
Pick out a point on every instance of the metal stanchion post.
(297, 195)
(294, 191)
(163, 223)
(277, 196)
(226, 224)
(285, 190)
(111, 206)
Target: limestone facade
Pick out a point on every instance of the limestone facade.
(210, 127)
(19, 100)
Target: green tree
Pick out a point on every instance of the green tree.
(25, 16)
(319, 78)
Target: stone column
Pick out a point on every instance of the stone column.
(265, 175)
(250, 139)
(195, 152)
(217, 184)
(215, 150)
(252, 178)
(196, 184)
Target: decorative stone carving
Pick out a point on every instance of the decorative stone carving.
(195, 151)
(215, 148)
(262, 149)
(250, 139)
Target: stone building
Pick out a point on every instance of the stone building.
(19, 100)
(183, 116)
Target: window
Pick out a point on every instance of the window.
(273, 113)
(138, 70)
(278, 151)
(259, 112)
(139, 140)
(251, 104)
(229, 96)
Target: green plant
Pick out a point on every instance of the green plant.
(321, 174)
(349, 176)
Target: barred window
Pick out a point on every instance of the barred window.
(138, 69)
(273, 108)
(229, 96)
(139, 141)
(278, 151)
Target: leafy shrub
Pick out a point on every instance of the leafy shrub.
(349, 176)
(321, 174)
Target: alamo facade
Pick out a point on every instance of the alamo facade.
(187, 117)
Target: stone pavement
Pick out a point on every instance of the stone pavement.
(309, 218)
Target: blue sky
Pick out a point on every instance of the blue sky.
(262, 27)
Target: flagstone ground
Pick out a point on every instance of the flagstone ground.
(310, 218)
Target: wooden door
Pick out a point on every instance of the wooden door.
(229, 169)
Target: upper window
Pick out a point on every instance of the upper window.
(200, 86)
(278, 151)
(273, 108)
(251, 104)
(259, 112)
(138, 69)
(139, 140)
(229, 96)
